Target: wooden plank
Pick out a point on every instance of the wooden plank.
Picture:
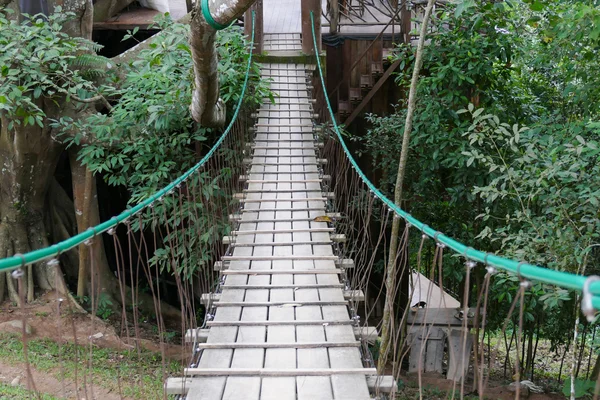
(196, 335)
(277, 244)
(209, 298)
(459, 355)
(253, 210)
(266, 190)
(345, 263)
(338, 238)
(434, 350)
(177, 386)
(277, 231)
(206, 388)
(415, 358)
(366, 333)
(304, 345)
(276, 258)
(311, 387)
(277, 372)
(275, 323)
(312, 147)
(278, 303)
(279, 109)
(283, 163)
(354, 295)
(343, 385)
(382, 384)
(287, 271)
(271, 125)
(289, 199)
(247, 356)
(211, 388)
(285, 181)
(280, 387)
(285, 286)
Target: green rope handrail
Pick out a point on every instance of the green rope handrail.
(21, 260)
(208, 17)
(529, 271)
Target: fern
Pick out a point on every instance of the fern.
(93, 74)
(89, 61)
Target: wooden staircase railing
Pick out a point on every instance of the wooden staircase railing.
(374, 89)
(358, 97)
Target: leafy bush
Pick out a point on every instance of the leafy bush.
(38, 61)
(149, 138)
(520, 177)
(583, 388)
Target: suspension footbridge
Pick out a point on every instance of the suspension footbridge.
(281, 327)
(287, 303)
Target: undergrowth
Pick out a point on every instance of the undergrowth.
(16, 392)
(140, 376)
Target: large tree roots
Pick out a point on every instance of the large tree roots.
(22, 231)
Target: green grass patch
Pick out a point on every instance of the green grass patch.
(410, 391)
(12, 393)
(141, 376)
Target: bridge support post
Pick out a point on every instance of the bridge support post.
(334, 16)
(405, 22)
(257, 7)
(307, 39)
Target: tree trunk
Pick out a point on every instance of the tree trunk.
(29, 155)
(87, 214)
(596, 371)
(207, 108)
(391, 273)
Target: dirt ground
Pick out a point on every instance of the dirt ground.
(41, 316)
(495, 390)
(48, 384)
(73, 325)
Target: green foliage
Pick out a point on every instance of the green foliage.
(543, 196)
(8, 392)
(105, 306)
(583, 388)
(40, 62)
(167, 336)
(149, 139)
(469, 58)
(135, 376)
(561, 62)
(546, 176)
(520, 177)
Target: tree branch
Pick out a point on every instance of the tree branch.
(90, 100)
(207, 108)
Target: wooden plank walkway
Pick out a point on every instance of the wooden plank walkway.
(294, 339)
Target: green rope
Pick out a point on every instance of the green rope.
(211, 21)
(525, 270)
(32, 257)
